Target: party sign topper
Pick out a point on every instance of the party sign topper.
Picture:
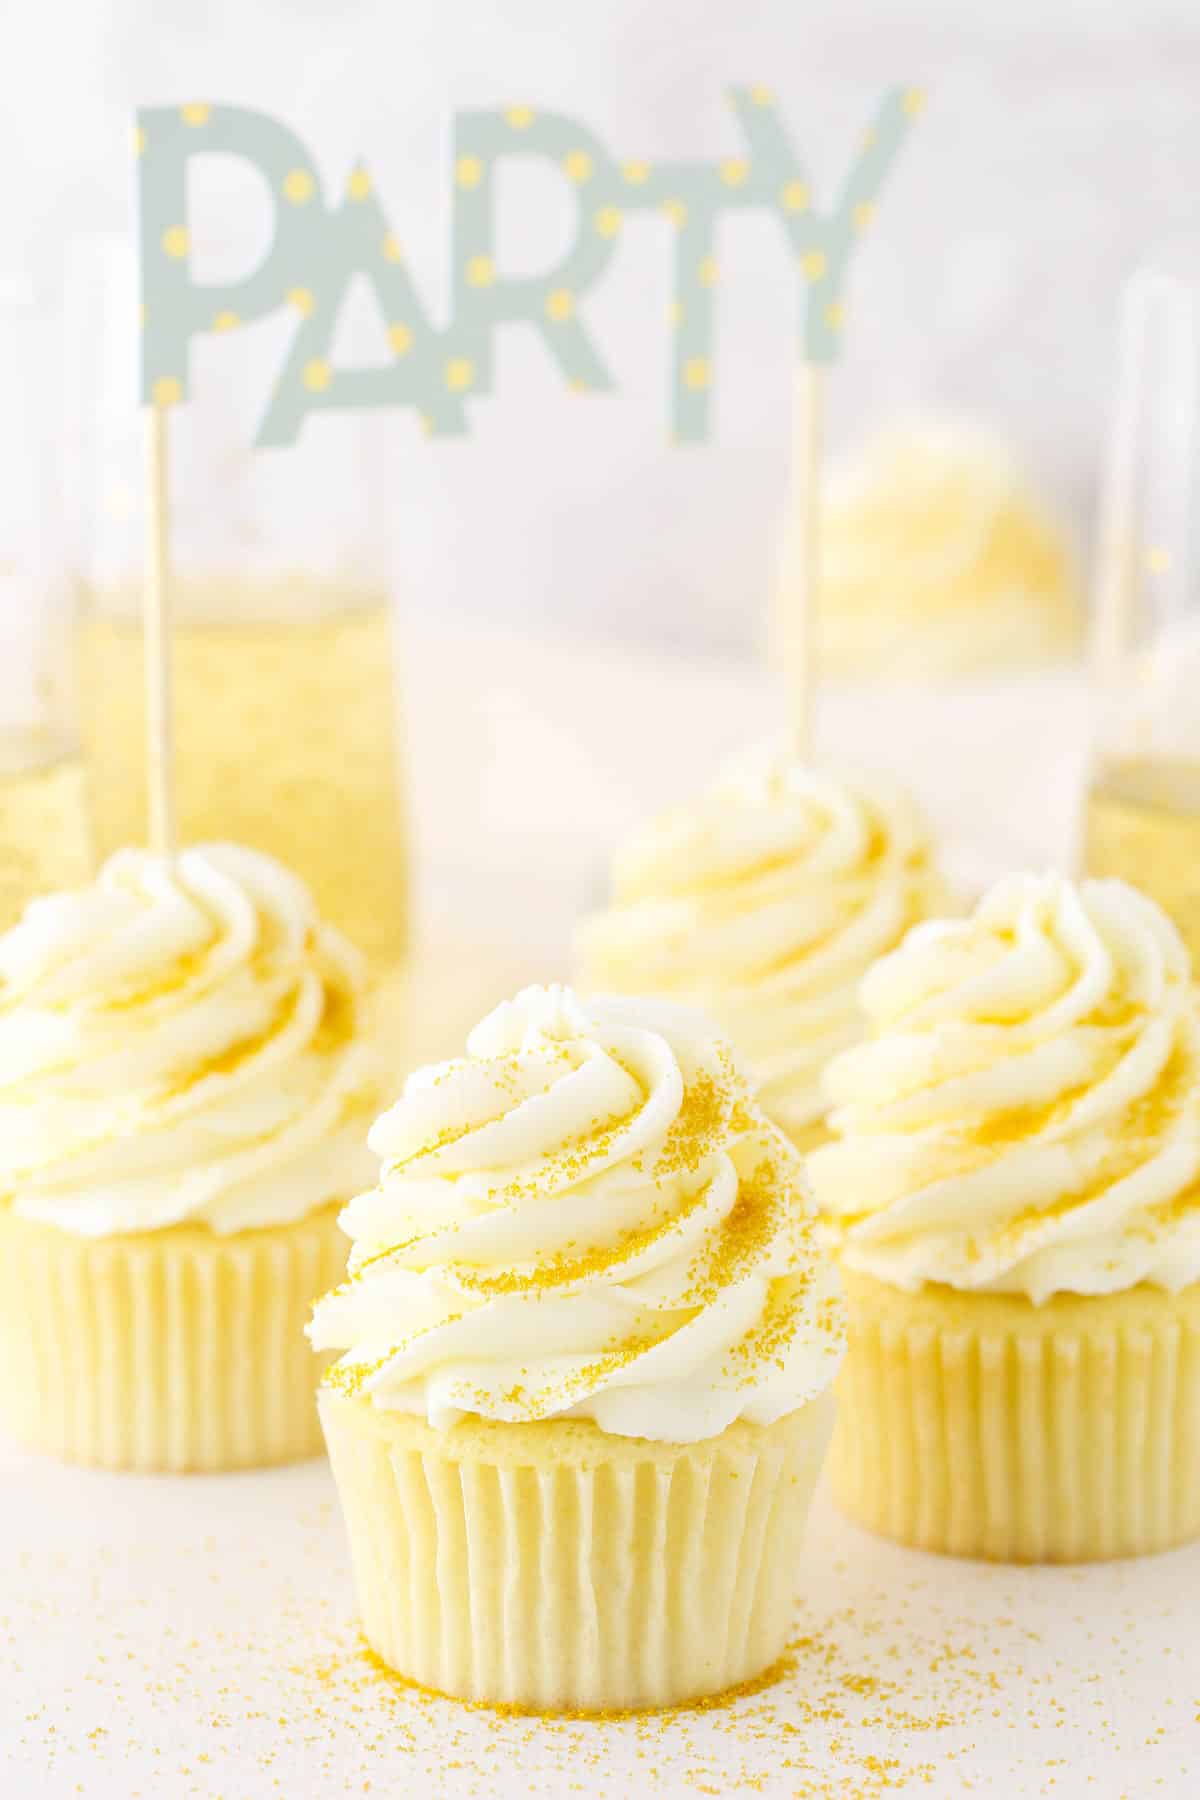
(320, 246)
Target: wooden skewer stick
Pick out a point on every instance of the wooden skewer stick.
(802, 595)
(1117, 572)
(156, 615)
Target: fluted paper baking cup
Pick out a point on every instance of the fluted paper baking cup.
(176, 1349)
(982, 1425)
(557, 1567)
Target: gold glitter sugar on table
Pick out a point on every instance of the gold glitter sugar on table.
(893, 1685)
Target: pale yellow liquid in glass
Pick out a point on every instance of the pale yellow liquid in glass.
(1143, 824)
(285, 740)
(44, 837)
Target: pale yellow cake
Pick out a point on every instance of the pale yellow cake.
(185, 1081)
(587, 1351)
(1014, 1199)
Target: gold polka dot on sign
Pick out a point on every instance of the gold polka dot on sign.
(914, 101)
(708, 272)
(175, 241)
(302, 299)
(813, 263)
(226, 321)
(460, 373)
(481, 271)
(468, 171)
(795, 196)
(734, 171)
(760, 95)
(167, 391)
(578, 165)
(560, 304)
(195, 113)
(636, 173)
(139, 140)
(400, 337)
(676, 211)
(298, 186)
(608, 221)
(391, 248)
(675, 313)
(696, 372)
(1158, 560)
(835, 315)
(864, 212)
(359, 184)
(578, 386)
(317, 375)
(520, 117)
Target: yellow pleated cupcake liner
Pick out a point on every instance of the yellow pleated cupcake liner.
(556, 1567)
(173, 1350)
(985, 1426)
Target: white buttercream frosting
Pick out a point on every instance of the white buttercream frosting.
(938, 557)
(1027, 1119)
(586, 1216)
(181, 1041)
(765, 903)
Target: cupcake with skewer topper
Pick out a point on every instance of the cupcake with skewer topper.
(185, 1081)
(765, 903)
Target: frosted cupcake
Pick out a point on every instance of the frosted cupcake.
(183, 1095)
(1015, 1204)
(765, 903)
(584, 1396)
(939, 559)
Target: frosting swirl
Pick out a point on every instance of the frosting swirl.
(1028, 1118)
(765, 904)
(179, 1041)
(584, 1217)
(939, 558)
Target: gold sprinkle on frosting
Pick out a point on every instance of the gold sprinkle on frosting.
(626, 1229)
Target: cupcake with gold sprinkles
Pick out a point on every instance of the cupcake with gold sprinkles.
(764, 902)
(940, 559)
(185, 1082)
(1015, 1205)
(587, 1347)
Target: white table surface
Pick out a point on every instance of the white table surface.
(179, 1637)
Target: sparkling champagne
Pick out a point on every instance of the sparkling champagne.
(285, 739)
(44, 837)
(1143, 824)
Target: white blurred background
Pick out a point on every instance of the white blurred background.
(1060, 144)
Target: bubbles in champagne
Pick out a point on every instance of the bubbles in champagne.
(44, 837)
(1143, 824)
(285, 740)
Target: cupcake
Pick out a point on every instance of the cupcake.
(765, 903)
(184, 1089)
(1015, 1205)
(939, 559)
(585, 1390)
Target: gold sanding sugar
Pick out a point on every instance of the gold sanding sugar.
(908, 1675)
(767, 1203)
(701, 1123)
(724, 1743)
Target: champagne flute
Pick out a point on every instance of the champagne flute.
(1142, 814)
